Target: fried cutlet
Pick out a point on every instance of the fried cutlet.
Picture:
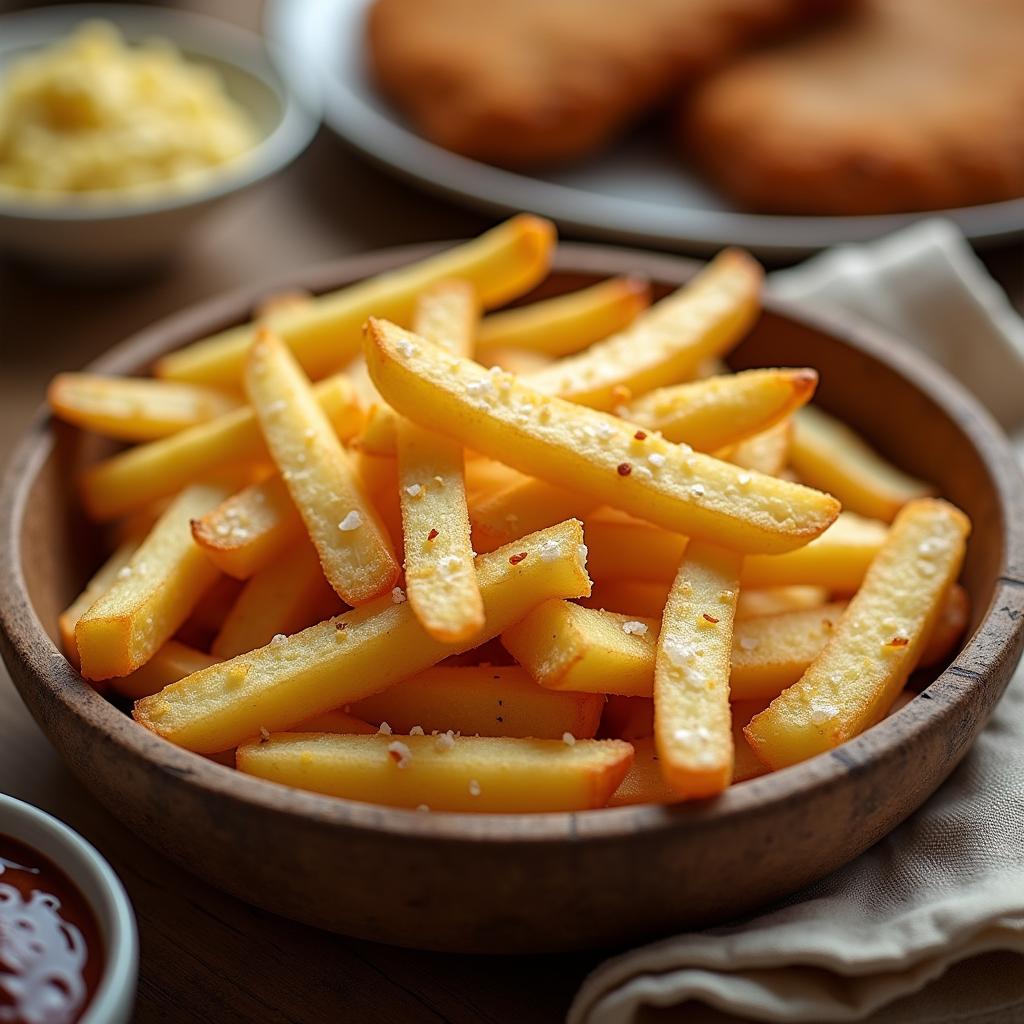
(907, 105)
(525, 82)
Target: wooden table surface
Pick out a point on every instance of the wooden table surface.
(205, 956)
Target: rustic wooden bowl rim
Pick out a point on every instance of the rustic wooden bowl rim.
(33, 645)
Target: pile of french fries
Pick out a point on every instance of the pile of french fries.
(550, 558)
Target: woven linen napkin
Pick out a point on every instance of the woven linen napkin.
(945, 891)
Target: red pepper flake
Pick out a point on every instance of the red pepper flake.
(516, 559)
(640, 435)
(624, 469)
(710, 618)
(898, 641)
(432, 535)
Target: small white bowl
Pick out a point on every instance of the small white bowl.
(100, 236)
(115, 996)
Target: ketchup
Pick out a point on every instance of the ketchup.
(51, 957)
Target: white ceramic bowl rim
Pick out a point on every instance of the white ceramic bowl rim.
(77, 858)
(197, 35)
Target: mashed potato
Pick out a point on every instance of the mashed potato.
(91, 114)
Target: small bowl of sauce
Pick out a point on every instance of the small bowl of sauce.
(68, 944)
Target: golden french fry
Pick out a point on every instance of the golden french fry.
(498, 517)
(948, 628)
(281, 599)
(717, 411)
(485, 700)
(171, 662)
(828, 454)
(133, 408)
(345, 529)
(666, 344)
(501, 265)
(356, 654)
(765, 452)
(152, 595)
(692, 720)
(598, 454)
(132, 479)
(876, 643)
(248, 531)
(469, 773)
(337, 722)
(566, 323)
(103, 579)
(622, 547)
(757, 601)
(439, 574)
(745, 765)
(516, 360)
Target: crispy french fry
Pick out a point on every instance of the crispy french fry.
(668, 342)
(876, 643)
(567, 323)
(475, 773)
(486, 700)
(565, 646)
(709, 414)
(278, 302)
(281, 599)
(828, 454)
(501, 265)
(622, 547)
(632, 598)
(745, 765)
(248, 531)
(346, 531)
(133, 478)
(151, 595)
(500, 516)
(439, 575)
(765, 452)
(591, 451)
(356, 654)
(516, 360)
(133, 408)
(340, 722)
(692, 720)
(171, 662)
(103, 579)
(757, 601)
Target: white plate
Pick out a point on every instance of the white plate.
(638, 192)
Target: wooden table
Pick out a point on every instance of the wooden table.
(205, 956)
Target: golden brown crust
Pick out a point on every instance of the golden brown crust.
(524, 82)
(907, 105)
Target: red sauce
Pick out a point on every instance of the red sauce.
(51, 957)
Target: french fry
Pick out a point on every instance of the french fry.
(103, 579)
(666, 344)
(635, 597)
(248, 531)
(565, 646)
(876, 643)
(353, 546)
(476, 773)
(745, 765)
(439, 575)
(281, 599)
(171, 662)
(520, 508)
(356, 654)
(591, 451)
(948, 628)
(133, 408)
(826, 453)
(501, 265)
(765, 452)
(622, 547)
(516, 360)
(151, 595)
(209, 612)
(692, 720)
(718, 411)
(567, 323)
(487, 700)
(132, 479)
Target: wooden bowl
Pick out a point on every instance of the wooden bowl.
(520, 883)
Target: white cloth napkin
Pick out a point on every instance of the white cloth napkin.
(948, 885)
